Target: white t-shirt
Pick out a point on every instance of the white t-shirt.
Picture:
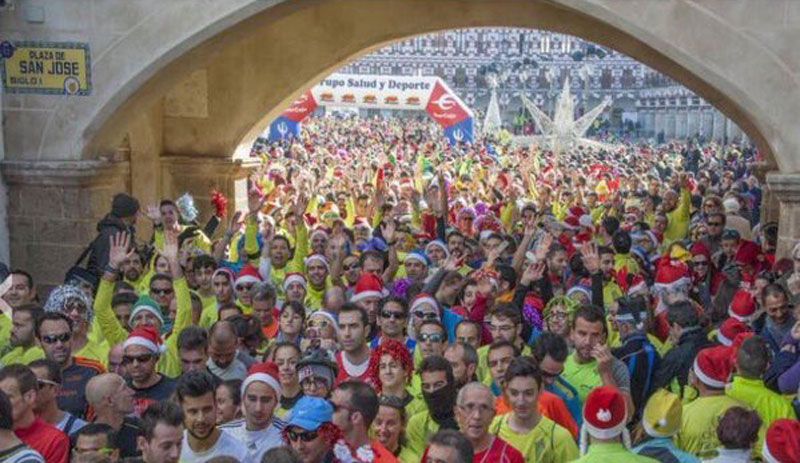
(226, 445)
(257, 442)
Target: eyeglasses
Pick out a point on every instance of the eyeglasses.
(161, 292)
(425, 315)
(244, 287)
(714, 224)
(306, 436)
(482, 409)
(144, 358)
(54, 338)
(700, 263)
(318, 324)
(501, 327)
(394, 315)
(432, 337)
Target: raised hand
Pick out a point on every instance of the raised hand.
(544, 246)
(388, 230)
(153, 212)
(119, 249)
(170, 250)
(533, 272)
(255, 201)
(234, 223)
(590, 256)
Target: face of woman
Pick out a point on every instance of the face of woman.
(469, 295)
(557, 320)
(387, 426)
(290, 322)
(226, 409)
(323, 326)
(390, 372)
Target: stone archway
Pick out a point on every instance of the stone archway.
(173, 111)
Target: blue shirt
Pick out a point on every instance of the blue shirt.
(665, 451)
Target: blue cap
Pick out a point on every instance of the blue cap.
(310, 412)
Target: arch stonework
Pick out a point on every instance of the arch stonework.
(184, 84)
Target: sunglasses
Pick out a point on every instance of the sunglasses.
(54, 338)
(347, 268)
(432, 337)
(306, 436)
(714, 224)
(244, 287)
(161, 292)
(144, 358)
(394, 315)
(547, 374)
(425, 315)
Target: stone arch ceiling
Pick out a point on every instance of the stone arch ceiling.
(257, 55)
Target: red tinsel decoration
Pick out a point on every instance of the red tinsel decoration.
(220, 203)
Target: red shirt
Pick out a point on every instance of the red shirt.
(344, 374)
(499, 452)
(47, 440)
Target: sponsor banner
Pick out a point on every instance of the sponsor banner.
(429, 94)
(53, 68)
(460, 131)
(283, 127)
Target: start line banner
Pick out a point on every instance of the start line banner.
(429, 94)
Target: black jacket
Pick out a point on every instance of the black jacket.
(677, 362)
(98, 250)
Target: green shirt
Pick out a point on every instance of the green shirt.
(419, 430)
(611, 452)
(769, 405)
(22, 355)
(547, 442)
(584, 376)
(698, 433)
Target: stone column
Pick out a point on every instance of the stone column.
(200, 175)
(718, 131)
(658, 123)
(54, 207)
(786, 188)
(681, 123)
(669, 126)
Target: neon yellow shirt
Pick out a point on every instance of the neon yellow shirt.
(22, 355)
(698, 433)
(769, 405)
(612, 452)
(419, 430)
(547, 442)
(169, 363)
(5, 329)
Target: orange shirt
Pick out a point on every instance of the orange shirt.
(549, 405)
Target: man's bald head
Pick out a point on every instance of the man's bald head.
(102, 386)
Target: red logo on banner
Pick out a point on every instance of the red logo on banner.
(444, 107)
(301, 107)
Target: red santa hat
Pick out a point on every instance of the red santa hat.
(294, 277)
(743, 306)
(782, 442)
(248, 274)
(730, 329)
(145, 336)
(604, 415)
(368, 285)
(576, 211)
(713, 366)
(266, 373)
(672, 276)
(571, 223)
(228, 273)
